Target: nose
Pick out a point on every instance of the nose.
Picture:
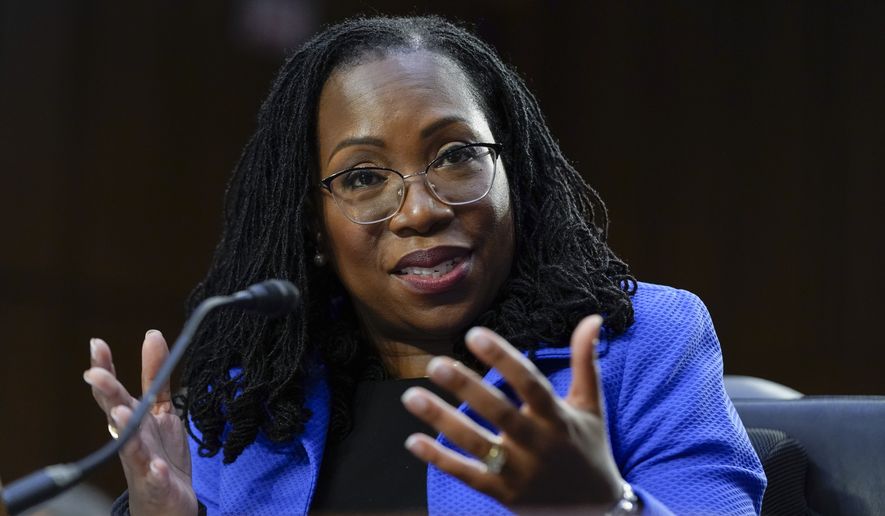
(421, 212)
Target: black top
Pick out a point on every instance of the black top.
(370, 470)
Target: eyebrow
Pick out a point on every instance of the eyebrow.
(425, 133)
(360, 140)
(439, 124)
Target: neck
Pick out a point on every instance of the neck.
(406, 356)
(404, 360)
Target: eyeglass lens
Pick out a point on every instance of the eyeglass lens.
(460, 176)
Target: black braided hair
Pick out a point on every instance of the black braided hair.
(247, 374)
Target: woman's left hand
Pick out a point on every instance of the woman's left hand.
(556, 451)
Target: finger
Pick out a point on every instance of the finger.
(483, 398)
(153, 353)
(106, 389)
(134, 454)
(530, 385)
(159, 476)
(460, 429)
(100, 355)
(584, 392)
(145, 472)
(471, 472)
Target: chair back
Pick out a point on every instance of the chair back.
(844, 437)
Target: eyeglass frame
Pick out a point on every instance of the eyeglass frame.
(326, 183)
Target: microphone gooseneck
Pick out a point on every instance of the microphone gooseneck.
(273, 298)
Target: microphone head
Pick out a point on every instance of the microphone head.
(274, 297)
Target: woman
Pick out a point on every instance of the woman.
(403, 177)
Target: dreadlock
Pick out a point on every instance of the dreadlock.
(247, 374)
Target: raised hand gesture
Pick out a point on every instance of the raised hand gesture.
(551, 451)
(156, 461)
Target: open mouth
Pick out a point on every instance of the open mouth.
(435, 271)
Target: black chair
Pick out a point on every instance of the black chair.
(828, 449)
(752, 388)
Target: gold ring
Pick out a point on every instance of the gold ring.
(495, 458)
(113, 431)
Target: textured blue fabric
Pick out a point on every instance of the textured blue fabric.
(674, 433)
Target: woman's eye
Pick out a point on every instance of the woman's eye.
(363, 179)
(456, 156)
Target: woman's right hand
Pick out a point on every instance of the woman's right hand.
(156, 461)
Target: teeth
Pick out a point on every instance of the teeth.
(437, 271)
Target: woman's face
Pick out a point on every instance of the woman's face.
(400, 112)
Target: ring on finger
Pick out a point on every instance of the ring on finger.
(113, 431)
(495, 458)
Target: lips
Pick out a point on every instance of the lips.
(429, 261)
(434, 271)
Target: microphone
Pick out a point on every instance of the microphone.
(273, 298)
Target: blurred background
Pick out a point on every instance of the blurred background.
(739, 147)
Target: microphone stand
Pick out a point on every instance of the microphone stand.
(273, 297)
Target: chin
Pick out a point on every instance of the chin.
(445, 321)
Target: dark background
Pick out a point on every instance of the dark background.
(739, 147)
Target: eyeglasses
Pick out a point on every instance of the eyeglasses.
(367, 195)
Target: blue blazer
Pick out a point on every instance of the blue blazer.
(674, 433)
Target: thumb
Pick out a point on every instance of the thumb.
(585, 392)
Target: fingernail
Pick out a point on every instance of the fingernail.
(439, 370)
(151, 331)
(87, 377)
(414, 400)
(155, 470)
(481, 342)
(93, 347)
(412, 443)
